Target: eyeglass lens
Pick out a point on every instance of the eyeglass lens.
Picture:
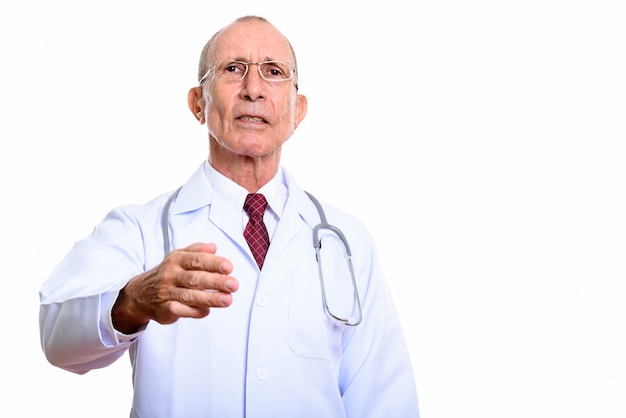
(269, 70)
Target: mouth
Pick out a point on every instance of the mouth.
(253, 119)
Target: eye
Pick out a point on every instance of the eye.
(275, 71)
(234, 69)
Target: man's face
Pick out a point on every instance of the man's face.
(251, 117)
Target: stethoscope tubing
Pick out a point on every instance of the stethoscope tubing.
(317, 244)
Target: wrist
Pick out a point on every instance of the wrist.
(124, 317)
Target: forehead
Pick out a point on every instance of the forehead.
(253, 41)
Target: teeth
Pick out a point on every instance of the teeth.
(253, 119)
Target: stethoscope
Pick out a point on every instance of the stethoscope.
(317, 244)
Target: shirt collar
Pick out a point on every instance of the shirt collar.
(233, 195)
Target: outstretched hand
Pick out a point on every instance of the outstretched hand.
(186, 284)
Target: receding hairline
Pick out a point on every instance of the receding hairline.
(203, 65)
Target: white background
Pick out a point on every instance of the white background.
(491, 135)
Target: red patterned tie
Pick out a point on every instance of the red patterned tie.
(255, 232)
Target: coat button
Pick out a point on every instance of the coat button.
(261, 373)
(261, 300)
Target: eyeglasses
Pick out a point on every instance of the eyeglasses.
(272, 71)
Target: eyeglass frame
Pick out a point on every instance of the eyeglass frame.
(258, 64)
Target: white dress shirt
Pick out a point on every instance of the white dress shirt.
(275, 352)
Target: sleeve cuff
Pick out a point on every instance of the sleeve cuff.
(111, 336)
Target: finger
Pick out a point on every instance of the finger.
(180, 310)
(206, 247)
(202, 280)
(205, 262)
(200, 299)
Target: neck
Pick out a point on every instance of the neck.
(251, 173)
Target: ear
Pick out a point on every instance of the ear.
(302, 105)
(196, 103)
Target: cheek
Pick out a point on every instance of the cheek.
(216, 116)
(216, 108)
(287, 118)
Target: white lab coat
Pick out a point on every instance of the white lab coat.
(274, 352)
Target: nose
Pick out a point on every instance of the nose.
(253, 83)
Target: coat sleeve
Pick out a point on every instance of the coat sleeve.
(376, 375)
(76, 330)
